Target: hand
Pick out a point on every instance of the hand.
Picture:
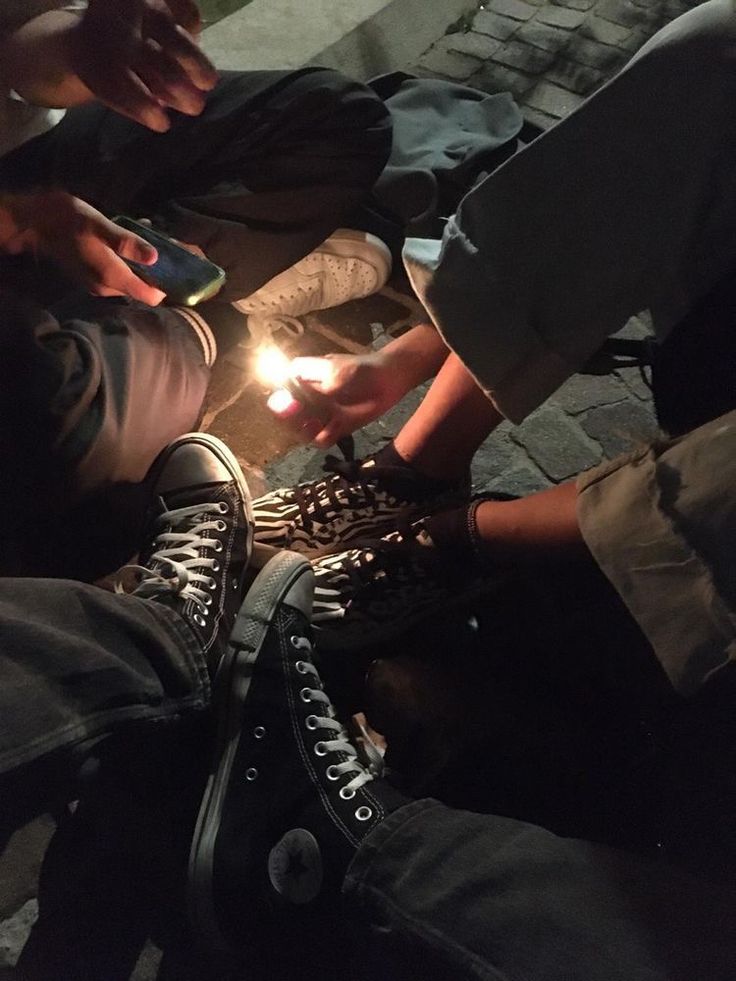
(359, 387)
(139, 57)
(88, 246)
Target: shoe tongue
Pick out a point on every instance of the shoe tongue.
(403, 482)
(183, 497)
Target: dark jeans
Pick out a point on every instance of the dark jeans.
(437, 893)
(91, 390)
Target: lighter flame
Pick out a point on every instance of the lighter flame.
(272, 367)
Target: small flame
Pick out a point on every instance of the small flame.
(272, 367)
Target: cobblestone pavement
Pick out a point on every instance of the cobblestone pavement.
(550, 55)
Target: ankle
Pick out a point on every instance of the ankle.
(429, 480)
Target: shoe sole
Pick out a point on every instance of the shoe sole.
(232, 685)
(350, 244)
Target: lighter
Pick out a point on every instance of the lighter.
(290, 397)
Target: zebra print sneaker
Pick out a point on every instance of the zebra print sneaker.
(377, 590)
(358, 499)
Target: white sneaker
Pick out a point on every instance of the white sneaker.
(347, 266)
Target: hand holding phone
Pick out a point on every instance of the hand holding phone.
(185, 278)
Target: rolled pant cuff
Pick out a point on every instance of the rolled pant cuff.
(378, 842)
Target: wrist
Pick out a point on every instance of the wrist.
(38, 61)
(22, 217)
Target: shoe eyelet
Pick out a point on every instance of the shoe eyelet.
(306, 694)
(311, 722)
(364, 814)
(295, 641)
(251, 773)
(301, 667)
(235, 584)
(199, 620)
(215, 566)
(220, 526)
(218, 546)
(223, 507)
(320, 749)
(331, 773)
(347, 793)
(212, 584)
(259, 732)
(207, 601)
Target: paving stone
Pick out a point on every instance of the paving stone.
(524, 57)
(14, 933)
(556, 443)
(441, 60)
(521, 481)
(632, 378)
(627, 14)
(635, 40)
(637, 328)
(540, 119)
(479, 46)
(675, 8)
(496, 456)
(621, 427)
(577, 78)
(20, 864)
(553, 100)
(604, 31)
(575, 4)
(516, 9)
(543, 36)
(502, 28)
(561, 17)
(583, 392)
(497, 78)
(595, 55)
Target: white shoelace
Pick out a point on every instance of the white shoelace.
(340, 743)
(179, 552)
(262, 327)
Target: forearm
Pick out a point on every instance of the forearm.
(541, 525)
(416, 355)
(35, 60)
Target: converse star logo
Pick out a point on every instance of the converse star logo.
(295, 866)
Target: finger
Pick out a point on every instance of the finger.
(181, 46)
(128, 284)
(186, 13)
(112, 274)
(317, 372)
(130, 97)
(329, 434)
(128, 245)
(167, 81)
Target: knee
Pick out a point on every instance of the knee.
(349, 109)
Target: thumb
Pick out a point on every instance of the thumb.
(131, 246)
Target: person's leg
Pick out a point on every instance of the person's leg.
(292, 817)
(527, 283)
(79, 663)
(440, 439)
(91, 393)
(477, 896)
